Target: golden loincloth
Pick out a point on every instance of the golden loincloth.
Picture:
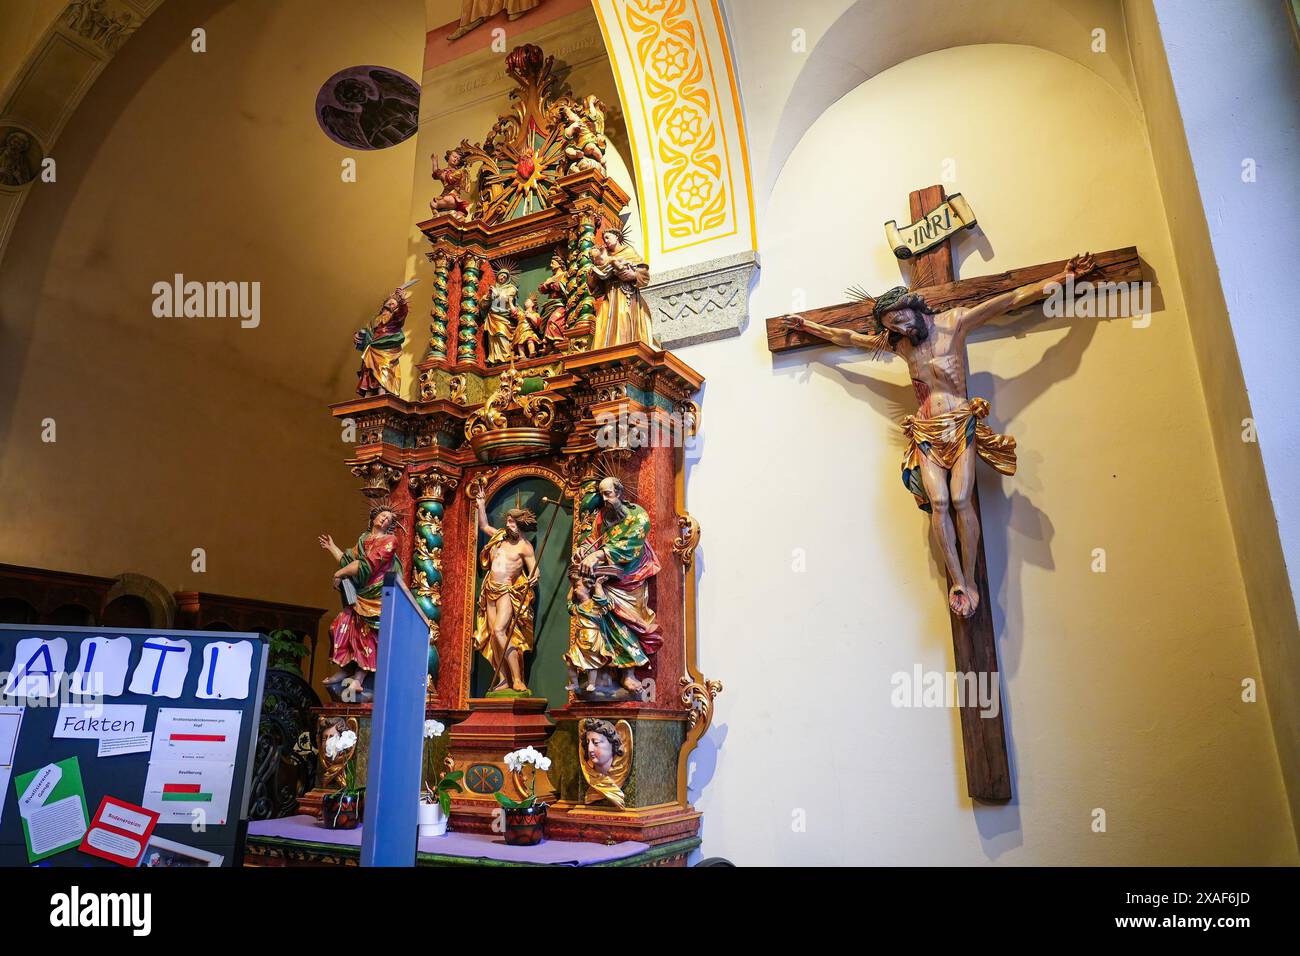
(944, 438)
(521, 617)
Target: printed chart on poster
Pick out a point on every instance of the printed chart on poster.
(128, 747)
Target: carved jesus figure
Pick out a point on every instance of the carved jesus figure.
(503, 628)
(947, 432)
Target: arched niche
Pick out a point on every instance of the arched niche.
(157, 602)
(552, 542)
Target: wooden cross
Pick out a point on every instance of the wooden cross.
(988, 773)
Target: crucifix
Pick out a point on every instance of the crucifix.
(927, 323)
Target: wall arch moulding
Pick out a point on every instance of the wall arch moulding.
(57, 70)
(868, 37)
(678, 88)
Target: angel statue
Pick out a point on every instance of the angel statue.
(584, 135)
(606, 757)
(455, 185)
(354, 633)
(381, 344)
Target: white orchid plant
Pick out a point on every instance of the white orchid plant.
(445, 783)
(516, 760)
(342, 743)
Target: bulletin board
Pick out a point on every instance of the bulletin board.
(181, 796)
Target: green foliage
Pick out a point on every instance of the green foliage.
(447, 785)
(286, 649)
(512, 804)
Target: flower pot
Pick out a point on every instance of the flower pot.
(524, 825)
(342, 810)
(433, 822)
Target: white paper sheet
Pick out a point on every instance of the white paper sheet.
(190, 792)
(102, 667)
(89, 721)
(37, 667)
(56, 824)
(124, 818)
(11, 722)
(116, 746)
(184, 734)
(39, 789)
(115, 843)
(162, 668)
(227, 668)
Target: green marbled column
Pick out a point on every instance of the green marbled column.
(428, 555)
(471, 270)
(438, 314)
(584, 307)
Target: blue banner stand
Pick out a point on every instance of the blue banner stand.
(393, 778)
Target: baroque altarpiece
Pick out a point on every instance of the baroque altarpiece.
(546, 426)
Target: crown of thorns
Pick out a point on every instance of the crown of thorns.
(524, 518)
(899, 297)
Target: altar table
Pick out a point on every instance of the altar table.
(302, 841)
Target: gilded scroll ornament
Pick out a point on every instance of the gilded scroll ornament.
(698, 697)
(687, 540)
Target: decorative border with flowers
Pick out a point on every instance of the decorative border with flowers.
(679, 100)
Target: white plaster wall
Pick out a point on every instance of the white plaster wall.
(1122, 689)
(1239, 108)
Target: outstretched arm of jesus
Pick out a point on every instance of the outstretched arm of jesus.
(483, 525)
(972, 318)
(844, 337)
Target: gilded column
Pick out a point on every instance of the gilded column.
(471, 270)
(438, 314)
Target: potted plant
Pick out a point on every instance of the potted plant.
(435, 801)
(525, 819)
(342, 809)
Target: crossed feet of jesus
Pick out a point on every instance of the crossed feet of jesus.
(963, 602)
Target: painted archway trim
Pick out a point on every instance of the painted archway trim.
(677, 83)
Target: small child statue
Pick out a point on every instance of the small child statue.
(588, 651)
(527, 322)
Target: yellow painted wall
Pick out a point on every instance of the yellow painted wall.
(182, 433)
